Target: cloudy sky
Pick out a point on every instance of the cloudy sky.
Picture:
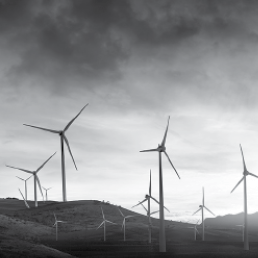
(135, 62)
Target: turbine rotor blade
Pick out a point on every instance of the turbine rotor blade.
(68, 146)
(27, 205)
(24, 170)
(171, 163)
(196, 211)
(154, 199)
(42, 128)
(243, 158)
(102, 213)
(55, 216)
(165, 135)
(28, 178)
(141, 202)
(101, 224)
(130, 216)
(197, 231)
(121, 212)
(144, 207)
(209, 211)
(149, 150)
(154, 212)
(110, 222)
(69, 124)
(20, 178)
(252, 174)
(45, 163)
(238, 184)
(39, 185)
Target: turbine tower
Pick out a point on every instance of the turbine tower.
(36, 179)
(148, 198)
(46, 189)
(25, 182)
(125, 217)
(104, 223)
(63, 139)
(202, 207)
(56, 224)
(245, 174)
(161, 148)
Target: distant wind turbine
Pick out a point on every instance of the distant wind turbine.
(195, 229)
(25, 182)
(36, 179)
(125, 217)
(104, 223)
(243, 231)
(56, 224)
(63, 139)
(148, 198)
(46, 189)
(161, 148)
(27, 205)
(202, 207)
(245, 173)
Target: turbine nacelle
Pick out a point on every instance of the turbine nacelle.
(161, 148)
(200, 206)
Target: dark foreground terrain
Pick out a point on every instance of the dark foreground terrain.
(28, 233)
(142, 249)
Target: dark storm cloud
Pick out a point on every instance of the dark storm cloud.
(64, 42)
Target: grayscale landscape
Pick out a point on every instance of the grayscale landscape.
(129, 128)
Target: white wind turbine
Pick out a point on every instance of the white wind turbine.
(63, 139)
(25, 182)
(125, 217)
(46, 189)
(36, 179)
(245, 173)
(161, 148)
(104, 223)
(243, 231)
(202, 207)
(56, 224)
(148, 198)
(27, 205)
(195, 229)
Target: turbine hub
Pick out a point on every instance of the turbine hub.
(200, 206)
(147, 196)
(161, 148)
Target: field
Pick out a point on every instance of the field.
(29, 233)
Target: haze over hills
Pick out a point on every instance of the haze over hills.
(231, 220)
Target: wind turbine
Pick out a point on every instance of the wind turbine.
(148, 198)
(46, 189)
(56, 224)
(25, 182)
(104, 223)
(63, 139)
(202, 207)
(125, 217)
(27, 205)
(36, 179)
(245, 173)
(195, 229)
(243, 236)
(161, 148)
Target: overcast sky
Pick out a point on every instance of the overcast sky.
(135, 62)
